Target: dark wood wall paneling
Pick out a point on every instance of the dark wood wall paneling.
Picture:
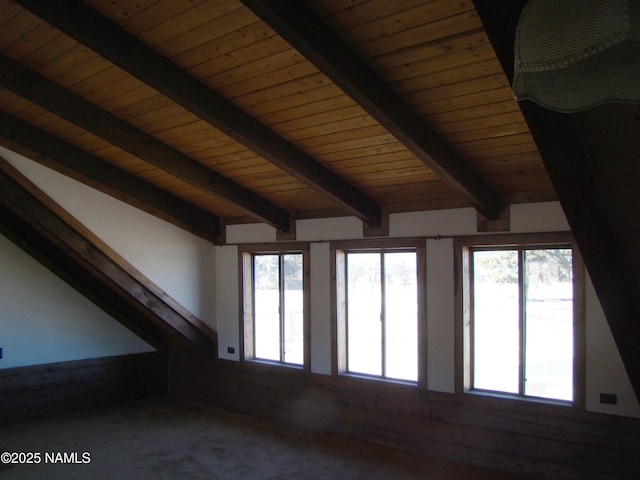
(534, 440)
(41, 390)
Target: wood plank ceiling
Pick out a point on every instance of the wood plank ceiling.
(200, 113)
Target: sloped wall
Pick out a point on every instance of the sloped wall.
(44, 320)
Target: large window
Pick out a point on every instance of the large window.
(274, 304)
(521, 320)
(378, 303)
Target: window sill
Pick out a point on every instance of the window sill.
(492, 398)
(273, 363)
(394, 381)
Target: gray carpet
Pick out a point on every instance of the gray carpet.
(164, 439)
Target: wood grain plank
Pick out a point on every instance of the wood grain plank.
(231, 51)
(193, 30)
(427, 66)
(372, 18)
(35, 392)
(150, 15)
(124, 50)
(310, 97)
(302, 28)
(421, 33)
(469, 40)
(449, 76)
(272, 66)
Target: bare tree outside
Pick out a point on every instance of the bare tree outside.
(523, 322)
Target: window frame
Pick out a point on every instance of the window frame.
(339, 353)
(463, 247)
(246, 254)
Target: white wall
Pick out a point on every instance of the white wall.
(39, 309)
(180, 263)
(227, 301)
(43, 320)
(605, 372)
(320, 308)
(440, 316)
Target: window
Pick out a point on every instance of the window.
(274, 306)
(521, 320)
(378, 303)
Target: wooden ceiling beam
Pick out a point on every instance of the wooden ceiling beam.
(308, 34)
(121, 48)
(77, 110)
(52, 152)
(567, 158)
(65, 239)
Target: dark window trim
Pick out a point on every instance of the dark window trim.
(463, 347)
(246, 252)
(338, 302)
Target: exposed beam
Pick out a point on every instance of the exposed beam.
(74, 243)
(118, 46)
(307, 33)
(65, 158)
(567, 158)
(43, 250)
(75, 109)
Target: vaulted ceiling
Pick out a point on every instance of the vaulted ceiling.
(214, 112)
(233, 111)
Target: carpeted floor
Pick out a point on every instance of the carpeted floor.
(165, 439)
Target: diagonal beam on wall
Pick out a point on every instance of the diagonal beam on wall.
(307, 33)
(121, 48)
(567, 158)
(44, 251)
(52, 152)
(74, 243)
(77, 110)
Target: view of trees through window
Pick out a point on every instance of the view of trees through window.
(523, 321)
(278, 307)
